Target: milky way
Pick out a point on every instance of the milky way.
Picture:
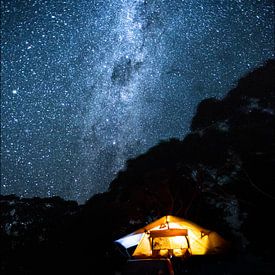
(86, 85)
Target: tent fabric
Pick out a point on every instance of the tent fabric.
(168, 233)
(184, 236)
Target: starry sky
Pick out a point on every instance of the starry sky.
(88, 84)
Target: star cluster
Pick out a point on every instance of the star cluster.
(88, 84)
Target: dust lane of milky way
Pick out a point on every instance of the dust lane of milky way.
(86, 85)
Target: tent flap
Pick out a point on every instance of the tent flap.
(168, 233)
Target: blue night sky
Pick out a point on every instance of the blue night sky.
(88, 84)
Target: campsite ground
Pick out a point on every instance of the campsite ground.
(220, 265)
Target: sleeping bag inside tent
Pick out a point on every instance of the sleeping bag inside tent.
(172, 236)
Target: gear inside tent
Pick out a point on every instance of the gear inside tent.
(172, 236)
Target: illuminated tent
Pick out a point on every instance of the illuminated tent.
(173, 236)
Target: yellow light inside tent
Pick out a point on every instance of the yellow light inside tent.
(172, 234)
(178, 242)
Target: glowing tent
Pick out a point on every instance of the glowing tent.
(173, 236)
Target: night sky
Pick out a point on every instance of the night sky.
(88, 84)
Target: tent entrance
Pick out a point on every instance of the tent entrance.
(170, 242)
